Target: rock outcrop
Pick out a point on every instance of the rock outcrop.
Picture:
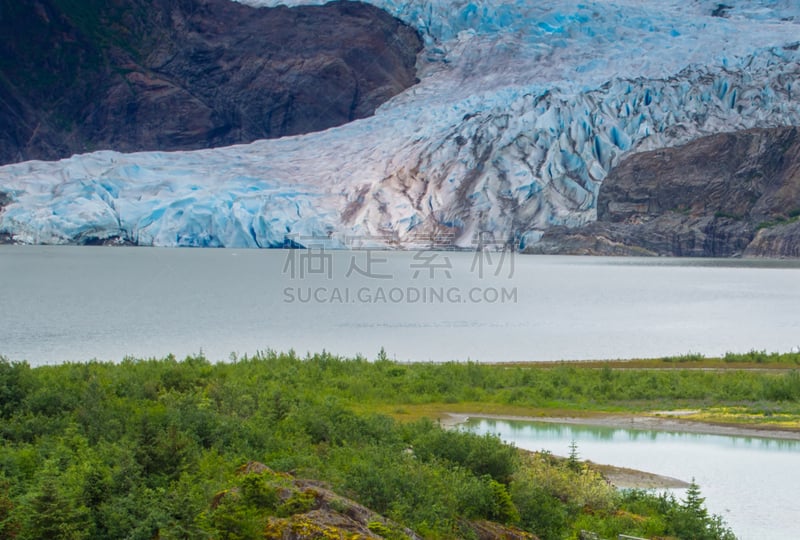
(298, 509)
(137, 75)
(725, 195)
(781, 240)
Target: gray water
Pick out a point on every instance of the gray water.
(78, 303)
(751, 482)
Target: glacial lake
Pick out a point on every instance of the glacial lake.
(751, 482)
(61, 303)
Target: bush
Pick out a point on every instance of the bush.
(480, 454)
(139, 450)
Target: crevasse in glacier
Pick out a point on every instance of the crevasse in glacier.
(522, 109)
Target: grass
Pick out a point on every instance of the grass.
(777, 221)
(762, 418)
(439, 411)
(748, 417)
(750, 360)
(755, 389)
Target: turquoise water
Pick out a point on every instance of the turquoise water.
(751, 482)
(64, 303)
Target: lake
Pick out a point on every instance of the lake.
(750, 482)
(66, 303)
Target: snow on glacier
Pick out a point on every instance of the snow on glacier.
(522, 109)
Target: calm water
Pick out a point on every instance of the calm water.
(79, 303)
(752, 483)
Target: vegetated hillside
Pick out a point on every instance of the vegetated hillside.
(129, 75)
(724, 195)
(270, 447)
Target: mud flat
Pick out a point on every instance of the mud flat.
(622, 477)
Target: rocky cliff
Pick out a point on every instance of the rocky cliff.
(725, 195)
(129, 75)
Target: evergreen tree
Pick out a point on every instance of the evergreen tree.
(694, 503)
(573, 461)
(52, 515)
(9, 526)
(691, 520)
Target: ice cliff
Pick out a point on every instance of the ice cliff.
(521, 111)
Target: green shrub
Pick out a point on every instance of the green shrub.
(298, 502)
(150, 448)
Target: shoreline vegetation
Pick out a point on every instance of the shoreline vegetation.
(273, 445)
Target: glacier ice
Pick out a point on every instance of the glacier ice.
(522, 109)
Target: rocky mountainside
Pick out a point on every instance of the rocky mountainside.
(130, 75)
(724, 195)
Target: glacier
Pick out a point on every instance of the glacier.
(521, 111)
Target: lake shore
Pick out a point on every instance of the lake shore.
(671, 421)
(662, 421)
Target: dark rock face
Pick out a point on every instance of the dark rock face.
(781, 240)
(5, 238)
(137, 75)
(725, 195)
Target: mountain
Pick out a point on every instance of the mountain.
(131, 75)
(522, 111)
(678, 202)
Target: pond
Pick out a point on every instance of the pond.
(751, 482)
